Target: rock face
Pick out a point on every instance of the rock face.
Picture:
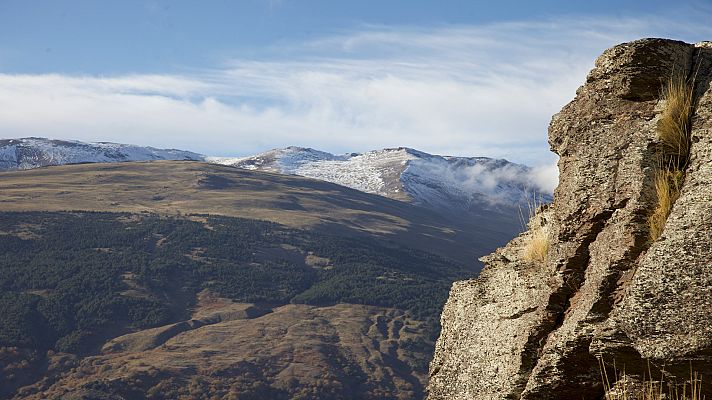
(533, 330)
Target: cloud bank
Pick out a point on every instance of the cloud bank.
(485, 90)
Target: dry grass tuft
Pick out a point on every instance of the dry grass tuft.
(619, 386)
(675, 121)
(538, 241)
(674, 139)
(537, 247)
(667, 189)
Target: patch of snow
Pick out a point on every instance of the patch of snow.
(403, 173)
(8, 157)
(367, 172)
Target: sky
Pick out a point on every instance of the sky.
(233, 78)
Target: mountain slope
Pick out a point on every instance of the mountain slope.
(28, 153)
(146, 306)
(174, 279)
(173, 187)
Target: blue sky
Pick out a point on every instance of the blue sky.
(239, 77)
(165, 36)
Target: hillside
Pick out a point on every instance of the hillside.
(170, 187)
(184, 279)
(616, 282)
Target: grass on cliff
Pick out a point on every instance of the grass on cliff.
(675, 122)
(673, 130)
(537, 246)
(537, 243)
(667, 188)
(620, 386)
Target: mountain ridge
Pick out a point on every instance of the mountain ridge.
(474, 188)
(375, 171)
(406, 174)
(35, 152)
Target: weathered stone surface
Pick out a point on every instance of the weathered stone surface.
(667, 310)
(635, 70)
(606, 165)
(527, 331)
(490, 328)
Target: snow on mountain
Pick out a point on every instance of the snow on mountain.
(284, 161)
(450, 184)
(455, 183)
(28, 153)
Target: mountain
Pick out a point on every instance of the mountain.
(28, 153)
(183, 279)
(452, 184)
(449, 185)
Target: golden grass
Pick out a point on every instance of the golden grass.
(673, 132)
(619, 386)
(667, 185)
(674, 124)
(537, 246)
(537, 243)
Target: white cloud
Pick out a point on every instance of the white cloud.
(545, 177)
(468, 90)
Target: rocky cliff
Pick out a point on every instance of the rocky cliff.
(534, 329)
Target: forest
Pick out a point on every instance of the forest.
(71, 280)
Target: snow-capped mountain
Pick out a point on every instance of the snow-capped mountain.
(28, 153)
(447, 184)
(454, 183)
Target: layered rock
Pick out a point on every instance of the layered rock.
(667, 312)
(532, 330)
